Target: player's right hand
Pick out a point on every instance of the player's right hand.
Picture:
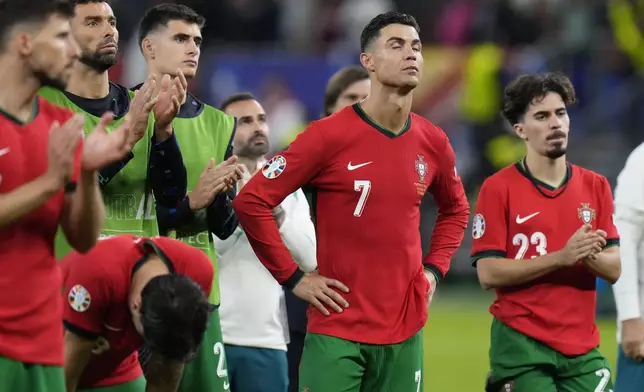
(320, 291)
(63, 141)
(583, 243)
(213, 181)
(633, 339)
(140, 109)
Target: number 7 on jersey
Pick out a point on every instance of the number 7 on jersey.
(364, 187)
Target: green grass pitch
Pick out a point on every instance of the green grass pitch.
(456, 341)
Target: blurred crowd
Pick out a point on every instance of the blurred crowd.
(284, 51)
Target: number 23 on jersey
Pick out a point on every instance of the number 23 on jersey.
(525, 241)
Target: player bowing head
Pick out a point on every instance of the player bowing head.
(35, 36)
(134, 291)
(536, 106)
(94, 27)
(171, 313)
(346, 87)
(391, 50)
(170, 39)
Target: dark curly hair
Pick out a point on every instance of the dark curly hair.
(174, 315)
(525, 89)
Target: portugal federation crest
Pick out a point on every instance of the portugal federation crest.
(421, 168)
(585, 213)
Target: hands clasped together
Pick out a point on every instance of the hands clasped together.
(100, 147)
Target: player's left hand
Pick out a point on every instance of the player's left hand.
(102, 148)
(140, 109)
(171, 96)
(432, 286)
(602, 234)
(319, 292)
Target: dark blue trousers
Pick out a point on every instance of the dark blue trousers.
(630, 374)
(252, 369)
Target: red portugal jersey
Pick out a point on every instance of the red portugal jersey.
(368, 184)
(518, 217)
(96, 292)
(30, 327)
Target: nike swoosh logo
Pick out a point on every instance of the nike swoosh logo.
(4, 151)
(525, 218)
(354, 167)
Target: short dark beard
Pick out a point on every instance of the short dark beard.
(98, 62)
(253, 152)
(47, 81)
(557, 153)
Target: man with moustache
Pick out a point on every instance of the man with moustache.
(154, 164)
(170, 40)
(253, 313)
(543, 232)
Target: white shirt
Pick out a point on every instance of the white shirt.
(629, 219)
(252, 310)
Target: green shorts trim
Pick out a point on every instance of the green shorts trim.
(137, 385)
(19, 376)
(521, 364)
(331, 364)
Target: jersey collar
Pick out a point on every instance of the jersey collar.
(387, 132)
(14, 119)
(149, 247)
(545, 189)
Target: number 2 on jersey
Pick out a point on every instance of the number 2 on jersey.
(218, 349)
(538, 239)
(364, 187)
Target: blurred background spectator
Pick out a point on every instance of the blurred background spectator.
(284, 51)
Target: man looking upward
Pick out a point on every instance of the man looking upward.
(370, 164)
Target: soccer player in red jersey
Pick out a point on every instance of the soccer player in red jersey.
(47, 178)
(370, 165)
(347, 86)
(543, 231)
(128, 290)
